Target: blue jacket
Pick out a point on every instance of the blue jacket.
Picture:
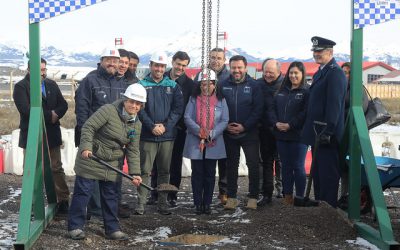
(164, 105)
(289, 106)
(221, 117)
(95, 90)
(245, 101)
(326, 103)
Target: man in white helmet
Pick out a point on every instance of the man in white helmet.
(99, 87)
(163, 110)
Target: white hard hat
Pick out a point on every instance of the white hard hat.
(136, 92)
(110, 52)
(203, 76)
(159, 57)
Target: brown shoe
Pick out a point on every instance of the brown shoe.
(288, 200)
(223, 198)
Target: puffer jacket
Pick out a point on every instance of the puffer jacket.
(164, 105)
(289, 106)
(108, 133)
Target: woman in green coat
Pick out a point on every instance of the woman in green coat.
(108, 133)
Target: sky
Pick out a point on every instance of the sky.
(264, 27)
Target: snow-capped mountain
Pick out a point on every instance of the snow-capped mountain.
(11, 54)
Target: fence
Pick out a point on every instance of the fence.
(384, 90)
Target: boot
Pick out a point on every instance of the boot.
(288, 200)
(231, 204)
(252, 203)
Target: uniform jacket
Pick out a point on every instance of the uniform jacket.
(95, 90)
(186, 84)
(269, 90)
(108, 133)
(245, 101)
(52, 101)
(164, 105)
(221, 117)
(289, 106)
(326, 103)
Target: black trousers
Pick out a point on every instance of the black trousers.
(269, 158)
(251, 147)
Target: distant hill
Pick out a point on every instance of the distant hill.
(12, 54)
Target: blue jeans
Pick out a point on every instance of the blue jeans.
(292, 156)
(82, 192)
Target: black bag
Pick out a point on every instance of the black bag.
(376, 113)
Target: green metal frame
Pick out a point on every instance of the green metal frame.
(360, 146)
(36, 162)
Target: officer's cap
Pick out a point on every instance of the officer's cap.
(320, 43)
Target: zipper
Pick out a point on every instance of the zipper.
(236, 104)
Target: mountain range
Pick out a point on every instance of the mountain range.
(12, 54)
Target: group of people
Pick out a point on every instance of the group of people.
(154, 122)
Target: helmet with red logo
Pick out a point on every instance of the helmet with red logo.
(110, 52)
(203, 76)
(159, 57)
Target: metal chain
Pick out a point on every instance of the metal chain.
(209, 29)
(217, 31)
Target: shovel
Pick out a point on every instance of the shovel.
(165, 187)
(305, 201)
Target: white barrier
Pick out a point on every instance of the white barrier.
(385, 141)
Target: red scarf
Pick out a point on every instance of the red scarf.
(201, 115)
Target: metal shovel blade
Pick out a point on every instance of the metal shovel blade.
(165, 187)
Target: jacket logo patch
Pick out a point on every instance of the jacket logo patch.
(298, 96)
(131, 134)
(247, 90)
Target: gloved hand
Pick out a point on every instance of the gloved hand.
(324, 139)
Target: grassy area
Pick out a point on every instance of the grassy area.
(9, 116)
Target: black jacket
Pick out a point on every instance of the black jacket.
(52, 101)
(244, 101)
(95, 90)
(289, 106)
(269, 90)
(187, 85)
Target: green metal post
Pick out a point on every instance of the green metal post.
(360, 145)
(36, 157)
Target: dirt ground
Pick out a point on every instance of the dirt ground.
(272, 227)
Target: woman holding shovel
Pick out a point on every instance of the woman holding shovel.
(110, 133)
(287, 116)
(206, 117)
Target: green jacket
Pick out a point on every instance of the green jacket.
(107, 133)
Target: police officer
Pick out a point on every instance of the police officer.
(326, 104)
